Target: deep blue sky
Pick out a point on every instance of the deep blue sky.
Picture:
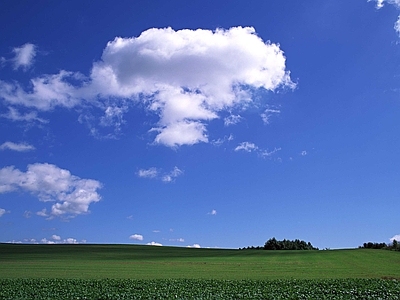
(180, 137)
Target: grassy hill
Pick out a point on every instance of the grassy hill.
(151, 262)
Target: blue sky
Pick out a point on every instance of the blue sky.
(200, 124)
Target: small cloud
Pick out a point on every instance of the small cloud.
(21, 147)
(154, 244)
(379, 3)
(156, 231)
(268, 113)
(220, 141)
(267, 153)
(137, 237)
(24, 56)
(303, 153)
(148, 173)
(397, 25)
(42, 213)
(172, 175)
(157, 174)
(194, 246)
(71, 241)
(232, 120)
(27, 214)
(246, 146)
(56, 237)
(130, 217)
(396, 237)
(3, 212)
(181, 240)
(213, 212)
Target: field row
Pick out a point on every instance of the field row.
(199, 289)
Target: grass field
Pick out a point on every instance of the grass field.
(151, 262)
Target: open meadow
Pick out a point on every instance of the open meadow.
(150, 272)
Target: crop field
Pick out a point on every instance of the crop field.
(149, 272)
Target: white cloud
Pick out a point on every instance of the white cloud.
(155, 173)
(186, 77)
(72, 194)
(251, 147)
(148, 173)
(396, 3)
(70, 241)
(232, 120)
(397, 25)
(194, 246)
(56, 237)
(213, 212)
(246, 146)
(24, 56)
(14, 115)
(42, 213)
(266, 153)
(154, 244)
(181, 240)
(172, 175)
(137, 237)
(46, 241)
(303, 153)
(21, 147)
(396, 237)
(380, 3)
(2, 212)
(268, 113)
(48, 92)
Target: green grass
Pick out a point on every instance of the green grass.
(151, 262)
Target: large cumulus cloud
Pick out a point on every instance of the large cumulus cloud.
(186, 77)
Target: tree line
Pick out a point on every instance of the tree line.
(274, 244)
(393, 246)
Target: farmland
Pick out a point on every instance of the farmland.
(149, 272)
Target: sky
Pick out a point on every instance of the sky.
(200, 123)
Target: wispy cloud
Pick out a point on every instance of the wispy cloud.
(212, 212)
(15, 115)
(246, 146)
(154, 173)
(268, 113)
(71, 194)
(24, 56)
(180, 240)
(251, 147)
(232, 120)
(380, 3)
(148, 173)
(396, 3)
(172, 175)
(56, 239)
(21, 147)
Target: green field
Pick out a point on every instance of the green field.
(151, 262)
(149, 272)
